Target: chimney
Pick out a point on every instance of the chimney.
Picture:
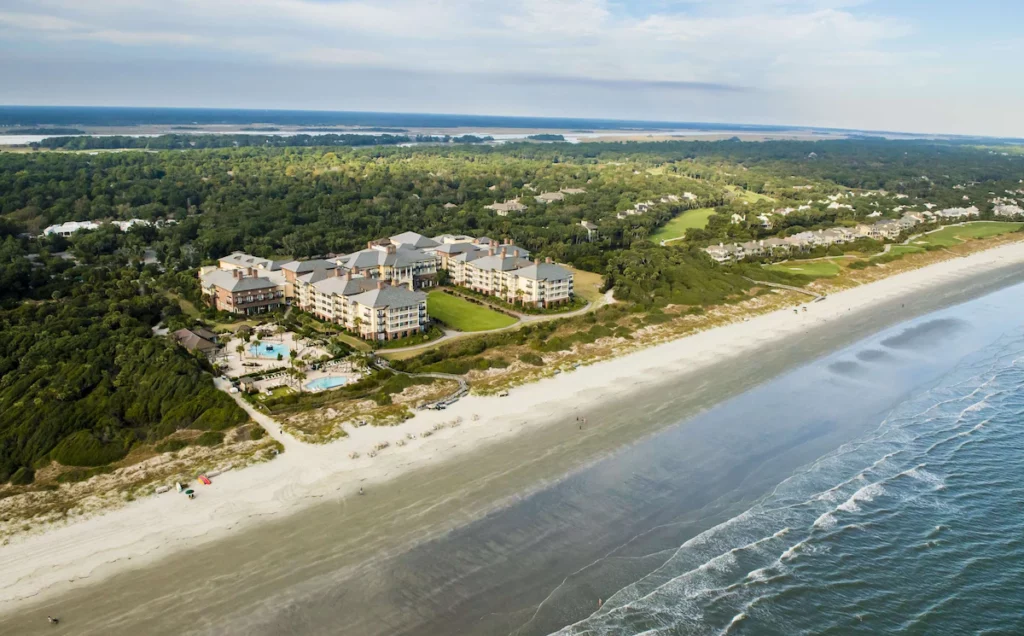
(369, 245)
(490, 251)
(548, 260)
(336, 272)
(508, 241)
(348, 275)
(238, 274)
(355, 270)
(536, 261)
(380, 284)
(252, 272)
(504, 252)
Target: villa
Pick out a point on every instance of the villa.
(549, 197)
(503, 209)
(69, 228)
(1009, 211)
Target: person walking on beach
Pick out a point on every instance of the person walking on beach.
(52, 620)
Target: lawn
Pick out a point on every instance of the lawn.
(901, 250)
(748, 195)
(463, 315)
(817, 269)
(676, 228)
(958, 233)
(587, 285)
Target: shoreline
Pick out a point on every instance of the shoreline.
(39, 566)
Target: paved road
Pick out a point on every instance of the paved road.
(270, 424)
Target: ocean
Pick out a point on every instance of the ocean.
(915, 527)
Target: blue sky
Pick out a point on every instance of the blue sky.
(940, 66)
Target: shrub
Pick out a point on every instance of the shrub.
(170, 445)
(82, 474)
(860, 264)
(256, 432)
(83, 449)
(531, 358)
(210, 438)
(23, 476)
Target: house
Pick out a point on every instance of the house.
(503, 209)
(958, 213)
(772, 246)
(241, 291)
(721, 253)
(549, 197)
(888, 229)
(737, 219)
(247, 384)
(1009, 211)
(571, 191)
(689, 196)
(765, 221)
(69, 228)
(199, 339)
(449, 206)
(753, 249)
(591, 230)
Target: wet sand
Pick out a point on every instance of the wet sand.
(351, 564)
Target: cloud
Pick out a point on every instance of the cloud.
(622, 84)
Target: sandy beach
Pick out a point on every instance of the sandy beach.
(87, 551)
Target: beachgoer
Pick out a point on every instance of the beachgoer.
(52, 620)
(361, 490)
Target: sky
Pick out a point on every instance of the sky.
(929, 66)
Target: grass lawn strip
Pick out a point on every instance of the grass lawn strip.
(462, 315)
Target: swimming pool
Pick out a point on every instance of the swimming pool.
(269, 350)
(326, 382)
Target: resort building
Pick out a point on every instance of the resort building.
(293, 270)
(517, 280)
(241, 260)
(397, 260)
(241, 291)
(372, 309)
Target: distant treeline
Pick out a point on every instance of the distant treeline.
(546, 137)
(186, 142)
(42, 131)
